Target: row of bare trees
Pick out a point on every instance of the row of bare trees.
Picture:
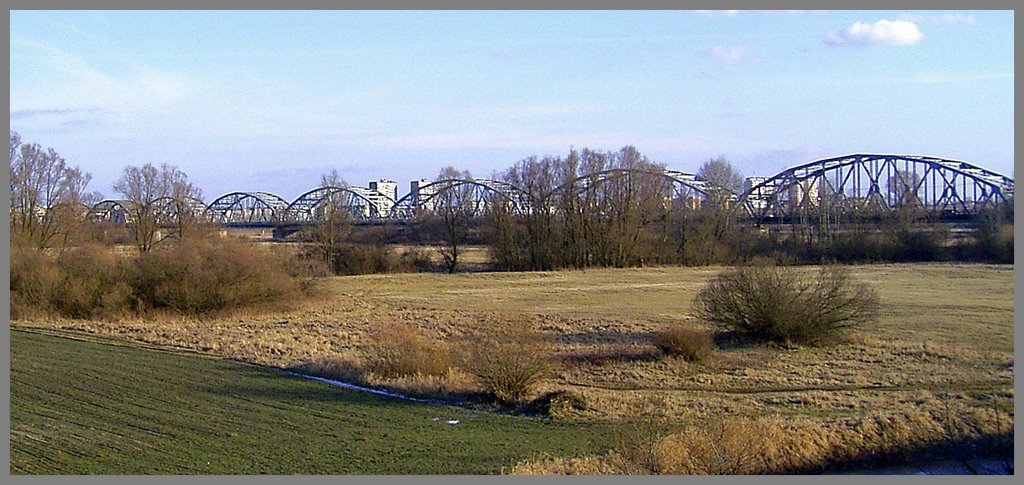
(587, 209)
(593, 208)
(49, 200)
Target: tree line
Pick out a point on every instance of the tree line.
(587, 208)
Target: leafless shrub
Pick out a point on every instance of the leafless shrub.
(508, 361)
(34, 275)
(690, 344)
(636, 451)
(778, 303)
(92, 284)
(716, 447)
(205, 275)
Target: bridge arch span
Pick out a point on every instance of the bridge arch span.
(242, 208)
(360, 202)
(878, 184)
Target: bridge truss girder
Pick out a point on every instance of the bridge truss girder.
(247, 208)
(470, 196)
(110, 210)
(361, 203)
(872, 184)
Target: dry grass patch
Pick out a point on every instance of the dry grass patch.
(741, 446)
(451, 385)
(398, 350)
(608, 354)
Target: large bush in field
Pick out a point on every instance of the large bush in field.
(81, 282)
(206, 275)
(786, 305)
(508, 361)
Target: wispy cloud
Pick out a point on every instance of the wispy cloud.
(48, 19)
(730, 54)
(861, 34)
(32, 113)
(72, 83)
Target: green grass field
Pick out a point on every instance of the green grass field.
(81, 407)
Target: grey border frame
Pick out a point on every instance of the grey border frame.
(485, 4)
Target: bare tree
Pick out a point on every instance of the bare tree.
(149, 190)
(633, 200)
(716, 213)
(47, 195)
(334, 222)
(537, 178)
(454, 208)
(724, 179)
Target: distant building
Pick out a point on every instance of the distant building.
(419, 191)
(805, 193)
(388, 188)
(759, 198)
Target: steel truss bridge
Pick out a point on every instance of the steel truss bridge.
(850, 185)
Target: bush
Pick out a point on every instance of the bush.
(85, 282)
(415, 260)
(206, 275)
(508, 362)
(400, 351)
(92, 284)
(691, 344)
(780, 304)
(34, 275)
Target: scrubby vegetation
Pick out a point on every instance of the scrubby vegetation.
(197, 277)
(400, 351)
(744, 446)
(193, 277)
(782, 304)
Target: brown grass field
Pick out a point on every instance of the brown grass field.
(944, 340)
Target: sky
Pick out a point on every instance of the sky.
(271, 100)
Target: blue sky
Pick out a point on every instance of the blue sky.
(270, 100)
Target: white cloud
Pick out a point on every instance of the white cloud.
(956, 18)
(892, 32)
(729, 54)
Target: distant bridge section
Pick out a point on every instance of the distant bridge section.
(247, 208)
(472, 196)
(868, 185)
(874, 184)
